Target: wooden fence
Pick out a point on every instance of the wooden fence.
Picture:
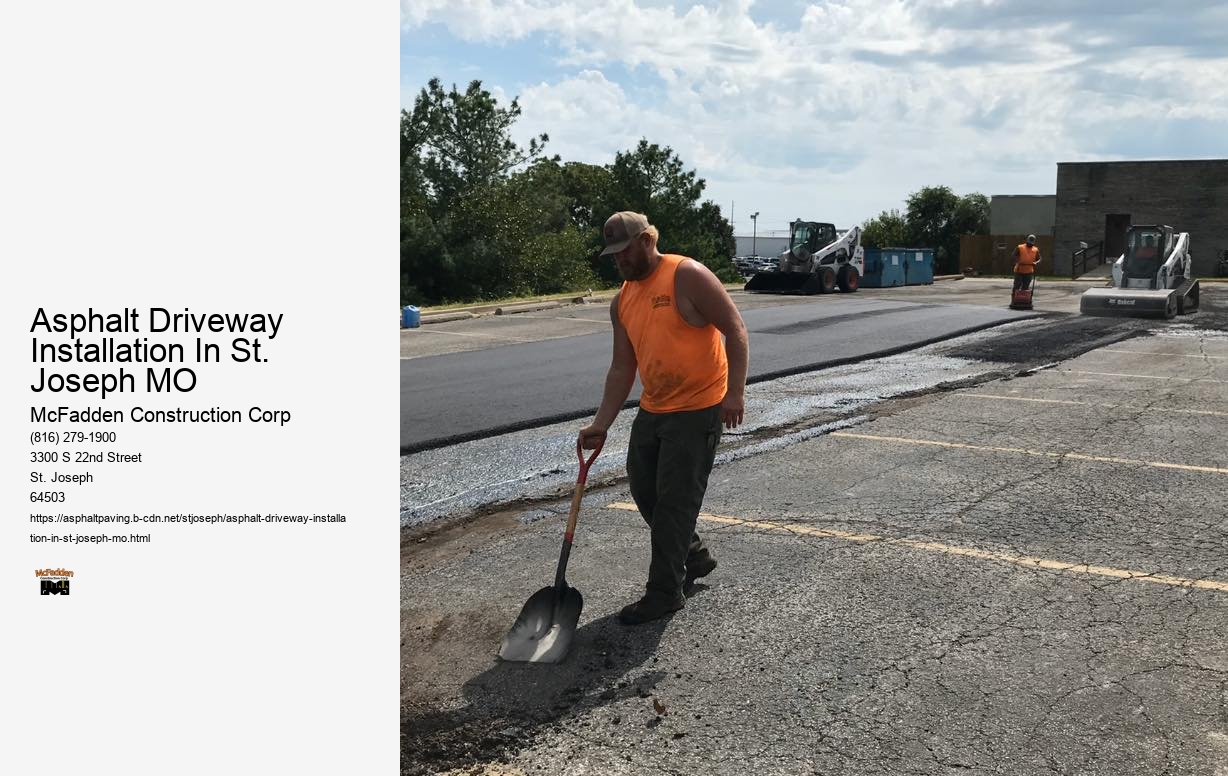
(993, 254)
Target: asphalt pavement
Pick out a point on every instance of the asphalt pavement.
(476, 390)
(1021, 575)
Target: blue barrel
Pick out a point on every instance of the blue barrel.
(411, 318)
(918, 266)
(884, 268)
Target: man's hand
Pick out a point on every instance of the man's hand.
(591, 436)
(733, 408)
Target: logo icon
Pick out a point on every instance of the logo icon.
(53, 581)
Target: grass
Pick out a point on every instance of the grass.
(565, 295)
(513, 300)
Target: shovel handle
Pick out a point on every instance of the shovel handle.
(559, 578)
(579, 491)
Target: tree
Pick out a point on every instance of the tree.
(482, 217)
(651, 179)
(886, 230)
(457, 223)
(929, 221)
(588, 188)
(971, 215)
(461, 142)
(937, 217)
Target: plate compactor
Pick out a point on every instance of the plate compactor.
(1021, 298)
(1151, 278)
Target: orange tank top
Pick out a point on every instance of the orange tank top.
(682, 367)
(1027, 259)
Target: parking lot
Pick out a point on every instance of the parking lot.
(1023, 576)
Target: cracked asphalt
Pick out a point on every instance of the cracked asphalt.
(1020, 574)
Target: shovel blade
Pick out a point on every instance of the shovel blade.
(544, 630)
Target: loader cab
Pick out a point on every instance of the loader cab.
(811, 236)
(1146, 247)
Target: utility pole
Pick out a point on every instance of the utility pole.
(754, 237)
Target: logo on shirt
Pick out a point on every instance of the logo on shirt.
(660, 300)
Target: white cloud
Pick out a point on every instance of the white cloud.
(849, 104)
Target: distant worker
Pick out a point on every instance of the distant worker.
(669, 318)
(1027, 256)
(1148, 249)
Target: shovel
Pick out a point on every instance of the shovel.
(547, 623)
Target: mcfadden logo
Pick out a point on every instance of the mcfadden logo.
(661, 300)
(52, 581)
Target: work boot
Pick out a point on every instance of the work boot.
(649, 608)
(701, 566)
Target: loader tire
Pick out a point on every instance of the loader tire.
(848, 279)
(827, 280)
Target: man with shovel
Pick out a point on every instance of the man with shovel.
(676, 325)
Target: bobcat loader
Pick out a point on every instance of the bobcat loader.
(1150, 279)
(818, 261)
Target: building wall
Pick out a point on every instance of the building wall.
(1022, 214)
(1191, 196)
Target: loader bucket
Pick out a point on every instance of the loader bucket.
(784, 283)
(1130, 302)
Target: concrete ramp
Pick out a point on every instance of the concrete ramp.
(1104, 271)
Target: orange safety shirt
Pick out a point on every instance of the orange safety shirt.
(1029, 256)
(682, 367)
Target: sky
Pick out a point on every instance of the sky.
(837, 111)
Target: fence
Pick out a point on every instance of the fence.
(994, 254)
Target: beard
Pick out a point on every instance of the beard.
(633, 266)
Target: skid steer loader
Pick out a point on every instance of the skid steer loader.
(818, 261)
(1151, 278)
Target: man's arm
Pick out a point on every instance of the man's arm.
(703, 291)
(618, 382)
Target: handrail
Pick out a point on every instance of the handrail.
(1080, 259)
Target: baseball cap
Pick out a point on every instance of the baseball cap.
(621, 228)
(1031, 238)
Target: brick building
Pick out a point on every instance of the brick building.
(1097, 201)
(1022, 214)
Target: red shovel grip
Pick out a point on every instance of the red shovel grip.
(584, 465)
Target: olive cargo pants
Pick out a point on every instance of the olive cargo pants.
(669, 459)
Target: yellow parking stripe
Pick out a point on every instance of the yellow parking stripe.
(1026, 561)
(1158, 353)
(1103, 405)
(1145, 377)
(1034, 453)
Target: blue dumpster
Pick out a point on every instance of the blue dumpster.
(411, 317)
(884, 268)
(919, 266)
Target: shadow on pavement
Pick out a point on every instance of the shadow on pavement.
(506, 705)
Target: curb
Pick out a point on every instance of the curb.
(456, 315)
(526, 307)
(476, 311)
